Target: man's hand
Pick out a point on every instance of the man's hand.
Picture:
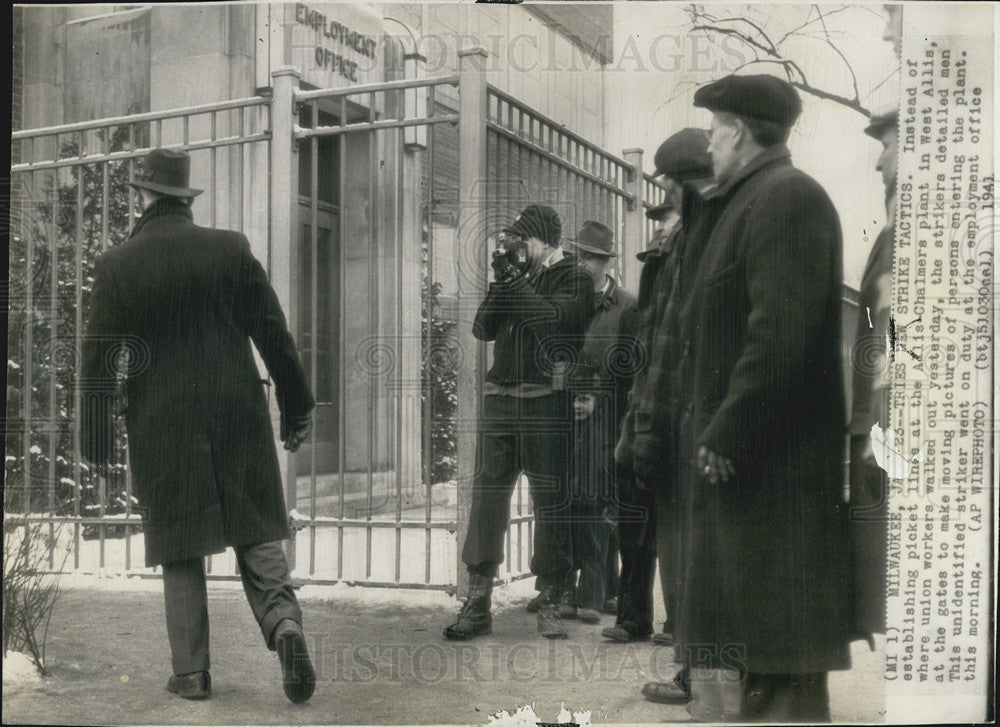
(294, 436)
(714, 466)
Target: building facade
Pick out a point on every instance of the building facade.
(367, 151)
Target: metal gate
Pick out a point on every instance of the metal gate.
(70, 200)
(369, 207)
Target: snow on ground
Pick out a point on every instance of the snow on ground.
(19, 671)
(525, 717)
(325, 550)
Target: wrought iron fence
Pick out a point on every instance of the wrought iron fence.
(70, 201)
(367, 206)
(363, 496)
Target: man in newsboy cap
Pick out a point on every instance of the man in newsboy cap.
(201, 445)
(757, 415)
(646, 486)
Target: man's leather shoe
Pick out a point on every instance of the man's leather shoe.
(549, 624)
(589, 615)
(298, 676)
(621, 634)
(196, 685)
(665, 692)
(663, 639)
(611, 606)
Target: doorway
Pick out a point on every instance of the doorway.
(320, 266)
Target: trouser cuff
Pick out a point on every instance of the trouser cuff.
(487, 569)
(270, 622)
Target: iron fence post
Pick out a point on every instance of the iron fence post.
(283, 249)
(633, 238)
(471, 258)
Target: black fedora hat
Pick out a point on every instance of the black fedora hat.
(880, 121)
(595, 238)
(167, 171)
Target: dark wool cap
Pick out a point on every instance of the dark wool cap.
(762, 97)
(538, 220)
(684, 156)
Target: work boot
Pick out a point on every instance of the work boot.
(567, 609)
(549, 623)
(474, 618)
(535, 603)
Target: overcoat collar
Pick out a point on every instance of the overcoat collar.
(609, 297)
(769, 155)
(163, 207)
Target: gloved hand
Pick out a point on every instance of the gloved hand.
(504, 271)
(293, 436)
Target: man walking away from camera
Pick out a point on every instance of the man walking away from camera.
(189, 300)
(536, 314)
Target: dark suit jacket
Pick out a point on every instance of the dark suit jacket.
(187, 301)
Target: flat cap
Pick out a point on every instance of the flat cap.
(880, 121)
(684, 156)
(660, 211)
(762, 97)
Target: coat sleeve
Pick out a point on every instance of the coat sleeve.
(265, 323)
(629, 360)
(792, 245)
(491, 314)
(97, 377)
(559, 317)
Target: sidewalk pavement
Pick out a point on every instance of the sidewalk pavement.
(376, 664)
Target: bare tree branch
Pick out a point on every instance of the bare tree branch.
(755, 37)
(822, 16)
(829, 42)
(851, 103)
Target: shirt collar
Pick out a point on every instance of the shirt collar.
(606, 296)
(555, 257)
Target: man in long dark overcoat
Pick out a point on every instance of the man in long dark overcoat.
(870, 400)
(645, 449)
(757, 407)
(185, 302)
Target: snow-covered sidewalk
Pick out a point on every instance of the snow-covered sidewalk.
(380, 658)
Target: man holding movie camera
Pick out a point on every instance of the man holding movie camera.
(536, 313)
